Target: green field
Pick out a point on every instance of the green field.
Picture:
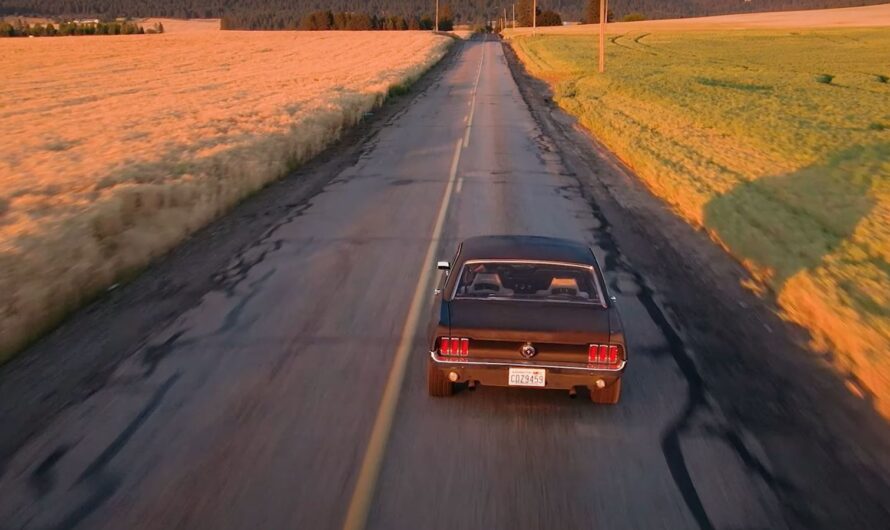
(777, 142)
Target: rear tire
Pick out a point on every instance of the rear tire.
(438, 384)
(608, 395)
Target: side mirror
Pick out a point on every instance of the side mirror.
(443, 266)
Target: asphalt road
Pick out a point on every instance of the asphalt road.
(256, 408)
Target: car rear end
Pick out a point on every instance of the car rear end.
(550, 342)
(529, 346)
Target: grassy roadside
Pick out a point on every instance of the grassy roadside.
(89, 204)
(778, 143)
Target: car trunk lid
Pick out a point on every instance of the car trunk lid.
(559, 332)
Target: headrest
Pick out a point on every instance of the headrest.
(487, 280)
(564, 285)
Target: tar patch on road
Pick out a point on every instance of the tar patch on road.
(101, 482)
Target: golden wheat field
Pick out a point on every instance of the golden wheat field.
(775, 141)
(844, 17)
(115, 148)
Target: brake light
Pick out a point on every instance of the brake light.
(608, 355)
(453, 346)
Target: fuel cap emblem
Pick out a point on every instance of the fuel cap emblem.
(527, 350)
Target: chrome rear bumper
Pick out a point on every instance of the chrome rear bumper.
(495, 372)
(519, 363)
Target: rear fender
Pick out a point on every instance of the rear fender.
(616, 329)
(441, 326)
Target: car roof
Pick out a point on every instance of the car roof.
(533, 248)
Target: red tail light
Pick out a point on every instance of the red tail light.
(452, 346)
(613, 354)
(605, 355)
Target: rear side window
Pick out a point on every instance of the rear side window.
(515, 280)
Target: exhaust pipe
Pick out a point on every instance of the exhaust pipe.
(471, 384)
(573, 393)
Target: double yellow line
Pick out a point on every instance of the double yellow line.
(363, 494)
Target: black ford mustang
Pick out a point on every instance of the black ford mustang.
(526, 311)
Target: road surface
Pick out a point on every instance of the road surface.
(262, 406)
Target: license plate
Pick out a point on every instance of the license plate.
(527, 377)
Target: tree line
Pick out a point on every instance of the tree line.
(20, 28)
(657, 9)
(544, 14)
(277, 14)
(280, 14)
(326, 20)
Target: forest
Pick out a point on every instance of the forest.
(19, 28)
(288, 14)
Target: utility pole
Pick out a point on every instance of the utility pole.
(514, 16)
(534, 17)
(505, 18)
(603, 14)
(437, 16)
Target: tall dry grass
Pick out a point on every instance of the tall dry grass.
(113, 149)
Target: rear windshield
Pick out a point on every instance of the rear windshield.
(528, 281)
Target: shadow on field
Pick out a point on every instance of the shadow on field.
(788, 223)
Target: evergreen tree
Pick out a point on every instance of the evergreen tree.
(549, 18)
(524, 13)
(446, 18)
(340, 20)
(592, 12)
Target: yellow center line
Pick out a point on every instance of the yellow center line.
(473, 100)
(360, 504)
